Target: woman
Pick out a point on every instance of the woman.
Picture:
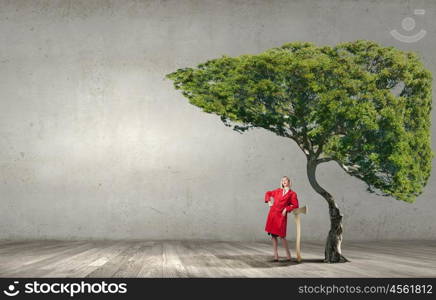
(285, 200)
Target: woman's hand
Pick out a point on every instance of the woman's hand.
(270, 203)
(284, 212)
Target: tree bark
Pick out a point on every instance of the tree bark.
(332, 251)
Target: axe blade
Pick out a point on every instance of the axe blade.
(300, 210)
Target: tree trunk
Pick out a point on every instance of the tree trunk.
(334, 239)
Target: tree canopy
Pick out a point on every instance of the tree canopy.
(365, 106)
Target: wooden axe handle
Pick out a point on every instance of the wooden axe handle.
(300, 210)
(297, 242)
(297, 212)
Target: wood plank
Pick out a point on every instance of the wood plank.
(124, 251)
(35, 263)
(135, 263)
(152, 263)
(32, 258)
(172, 266)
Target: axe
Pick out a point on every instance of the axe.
(297, 212)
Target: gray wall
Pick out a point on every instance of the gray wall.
(94, 143)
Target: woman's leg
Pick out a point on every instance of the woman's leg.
(274, 240)
(285, 245)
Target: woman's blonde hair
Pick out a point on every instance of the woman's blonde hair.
(281, 184)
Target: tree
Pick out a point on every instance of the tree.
(361, 105)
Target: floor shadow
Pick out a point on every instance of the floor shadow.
(312, 260)
(255, 261)
(244, 261)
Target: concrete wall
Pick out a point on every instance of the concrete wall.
(94, 143)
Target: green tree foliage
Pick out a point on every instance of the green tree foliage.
(365, 106)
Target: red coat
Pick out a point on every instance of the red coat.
(276, 223)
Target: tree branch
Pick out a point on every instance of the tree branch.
(323, 160)
(319, 150)
(306, 141)
(298, 141)
(352, 170)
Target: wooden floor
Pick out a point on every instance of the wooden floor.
(210, 259)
